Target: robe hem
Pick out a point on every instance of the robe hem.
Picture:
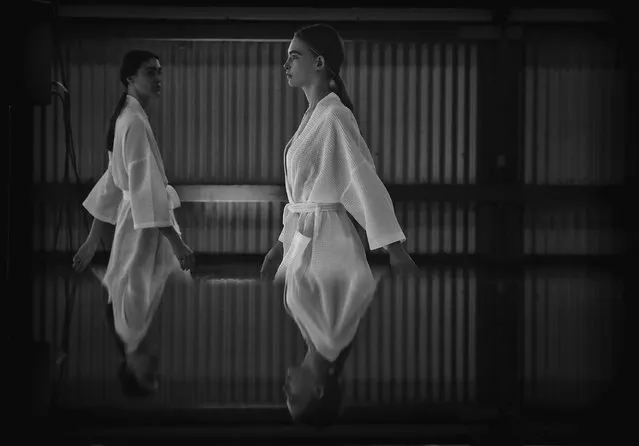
(98, 216)
(382, 242)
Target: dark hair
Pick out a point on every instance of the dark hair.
(129, 384)
(130, 65)
(325, 41)
(325, 411)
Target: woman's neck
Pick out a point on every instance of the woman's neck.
(315, 93)
(142, 100)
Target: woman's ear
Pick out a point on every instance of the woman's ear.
(320, 63)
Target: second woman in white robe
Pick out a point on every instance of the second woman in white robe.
(329, 173)
(134, 195)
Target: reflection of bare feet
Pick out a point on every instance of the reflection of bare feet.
(145, 368)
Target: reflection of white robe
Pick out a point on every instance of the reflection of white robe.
(329, 171)
(134, 195)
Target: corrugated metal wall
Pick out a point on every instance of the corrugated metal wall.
(572, 228)
(229, 342)
(225, 118)
(575, 115)
(572, 330)
(227, 113)
(575, 120)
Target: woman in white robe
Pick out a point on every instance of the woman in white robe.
(330, 178)
(134, 195)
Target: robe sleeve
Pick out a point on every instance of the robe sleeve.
(104, 199)
(150, 205)
(362, 192)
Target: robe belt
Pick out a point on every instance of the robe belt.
(300, 208)
(299, 242)
(172, 195)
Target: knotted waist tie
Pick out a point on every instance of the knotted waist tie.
(299, 242)
(300, 208)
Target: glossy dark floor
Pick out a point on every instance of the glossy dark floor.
(416, 372)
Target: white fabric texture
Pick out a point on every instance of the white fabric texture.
(134, 195)
(329, 173)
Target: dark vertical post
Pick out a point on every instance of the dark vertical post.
(500, 283)
(28, 85)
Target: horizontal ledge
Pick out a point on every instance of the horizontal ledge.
(231, 193)
(559, 15)
(370, 14)
(276, 13)
(358, 425)
(279, 31)
(399, 193)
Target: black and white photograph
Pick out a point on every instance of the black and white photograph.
(345, 224)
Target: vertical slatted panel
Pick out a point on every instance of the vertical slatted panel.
(229, 342)
(251, 228)
(571, 325)
(437, 227)
(225, 118)
(92, 357)
(246, 228)
(72, 224)
(574, 134)
(575, 114)
(416, 344)
(227, 113)
(572, 229)
(416, 105)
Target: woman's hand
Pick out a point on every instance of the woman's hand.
(272, 261)
(184, 255)
(401, 263)
(181, 250)
(84, 255)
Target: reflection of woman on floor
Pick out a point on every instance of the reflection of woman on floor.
(330, 178)
(134, 195)
(137, 378)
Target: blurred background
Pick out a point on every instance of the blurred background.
(505, 136)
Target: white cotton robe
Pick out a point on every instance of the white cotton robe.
(134, 195)
(329, 172)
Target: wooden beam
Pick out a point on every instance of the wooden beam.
(559, 15)
(205, 193)
(199, 13)
(234, 193)
(272, 31)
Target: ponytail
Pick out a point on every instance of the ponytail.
(130, 65)
(337, 86)
(114, 117)
(340, 90)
